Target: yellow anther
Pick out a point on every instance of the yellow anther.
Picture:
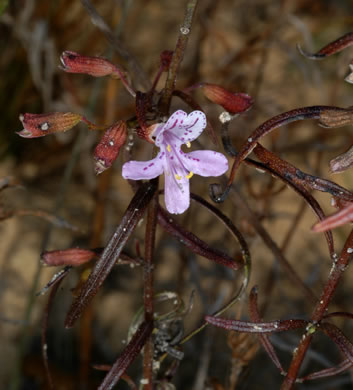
(177, 177)
(168, 148)
(190, 175)
(188, 144)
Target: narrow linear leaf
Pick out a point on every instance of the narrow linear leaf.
(55, 286)
(257, 327)
(195, 244)
(339, 338)
(112, 251)
(298, 114)
(300, 178)
(232, 229)
(332, 48)
(345, 365)
(128, 356)
(55, 278)
(343, 314)
(264, 339)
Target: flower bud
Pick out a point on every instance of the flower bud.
(334, 117)
(231, 102)
(108, 148)
(72, 256)
(39, 125)
(342, 162)
(95, 66)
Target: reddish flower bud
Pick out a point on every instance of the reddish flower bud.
(72, 256)
(342, 162)
(39, 125)
(94, 66)
(108, 148)
(231, 102)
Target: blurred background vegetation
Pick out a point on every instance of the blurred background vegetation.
(245, 46)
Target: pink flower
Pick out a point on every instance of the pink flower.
(178, 166)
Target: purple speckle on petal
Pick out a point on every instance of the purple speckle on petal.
(145, 168)
(151, 164)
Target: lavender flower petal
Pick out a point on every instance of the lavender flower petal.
(206, 163)
(192, 127)
(176, 194)
(139, 170)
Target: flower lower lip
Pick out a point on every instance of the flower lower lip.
(24, 133)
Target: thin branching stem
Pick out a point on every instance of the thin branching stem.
(338, 267)
(178, 56)
(148, 278)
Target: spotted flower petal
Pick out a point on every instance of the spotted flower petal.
(206, 163)
(184, 127)
(143, 170)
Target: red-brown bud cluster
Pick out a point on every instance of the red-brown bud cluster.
(109, 146)
(39, 125)
(234, 103)
(72, 256)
